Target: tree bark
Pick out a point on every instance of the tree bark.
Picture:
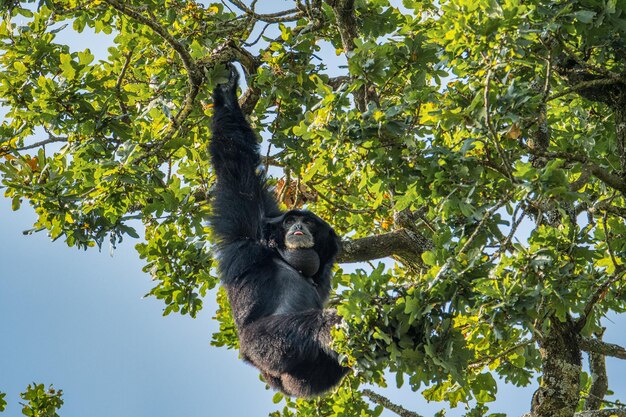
(385, 402)
(347, 27)
(562, 364)
(599, 379)
(402, 243)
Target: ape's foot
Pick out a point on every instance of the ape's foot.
(226, 94)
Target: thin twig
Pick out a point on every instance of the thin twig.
(282, 16)
(492, 129)
(336, 205)
(598, 295)
(118, 87)
(258, 38)
(507, 241)
(4, 150)
(386, 402)
(184, 55)
(582, 86)
(486, 361)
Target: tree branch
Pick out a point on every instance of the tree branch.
(194, 74)
(118, 87)
(401, 242)
(53, 139)
(583, 85)
(611, 209)
(444, 269)
(599, 294)
(283, 16)
(492, 129)
(385, 402)
(608, 412)
(347, 27)
(590, 345)
(163, 33)
(620, 133)
(479, 363)
(610, 179)
(599, 379)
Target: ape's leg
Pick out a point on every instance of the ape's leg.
(293, 351)
(312, 378)
(279, 343)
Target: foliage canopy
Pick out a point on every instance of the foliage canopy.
(481, 144)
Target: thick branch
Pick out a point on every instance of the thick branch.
(400, 242)
(561, 366)
(610, 179)
(608, 412)
(620, 132)
(613, 412)
(583, 85)
(596, 88)
(385, 402)
(599, 379)
(346, 24)
(597, 346)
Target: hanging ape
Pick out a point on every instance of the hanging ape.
(275, 265)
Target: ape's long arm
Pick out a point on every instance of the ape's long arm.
(242, 201)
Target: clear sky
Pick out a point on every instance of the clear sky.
(78, 320)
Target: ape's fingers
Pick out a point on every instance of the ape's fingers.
(226, 94)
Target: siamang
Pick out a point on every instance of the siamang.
(275, 265)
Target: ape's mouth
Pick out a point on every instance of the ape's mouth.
(298, 233)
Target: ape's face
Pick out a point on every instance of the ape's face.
(299, 232)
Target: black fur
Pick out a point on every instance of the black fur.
(283, 329)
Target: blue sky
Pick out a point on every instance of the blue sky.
(78, 320)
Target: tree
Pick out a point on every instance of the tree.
(479, 144)
(42, 402)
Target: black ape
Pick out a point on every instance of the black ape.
(274, 265)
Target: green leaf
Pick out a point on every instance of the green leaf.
(484, 388)
(278, 397)
(16, 202)
(86, 57)
(585, 16)
(67, 66)
(20, 67)
(429, 258)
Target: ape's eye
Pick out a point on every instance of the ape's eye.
(289, 221)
